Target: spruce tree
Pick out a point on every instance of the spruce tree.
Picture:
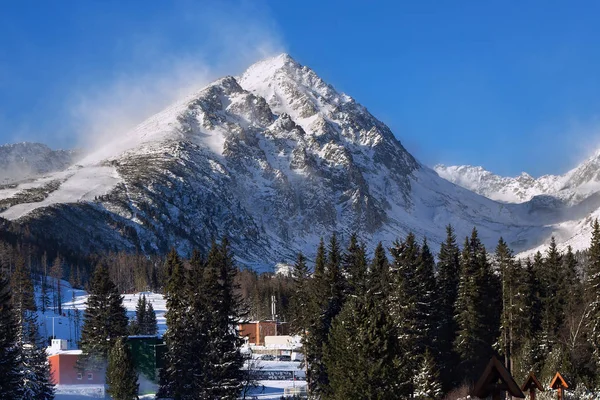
(379, 276)
(201, 319)
(505, 264)
(477, 309)
(316, 335)
(571, 289)
(225, 358)
(121, 376)
(176, 377)
(405, 308)
(151, 326)
(362, 356)
(10, 377)
(327, 297)
(363, 343)
(426, 307)
(427, 380)
(354, 266)
(140, 315)
(592, 291)
(33, 365)
(301, 297)
(554, 308)
(447, 283)
(105, 320)
(36, 382)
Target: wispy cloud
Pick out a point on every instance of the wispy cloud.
(225, 39)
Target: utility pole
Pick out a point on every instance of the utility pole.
(274, 311)
(53, 318)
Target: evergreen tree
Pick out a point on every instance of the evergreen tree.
(328, 297)
(121, 377)
(379, 276)
(105, 320)
(201, 320)
(571, 289)
(404, 311)
(301, 297)
(477, 312)
(354, 266)
(36, 382)
(150, 326)
(315, 336)
(554, 308)
(362, 356)
(224, 355)
(140, 315)
(427, 381)
(509, 276)
(176, 377)
(34, 370)
(426, 308)
(10, 377)
(592, 291)
(363, 342)
(447, 284)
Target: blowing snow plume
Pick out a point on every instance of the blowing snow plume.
(227, 38)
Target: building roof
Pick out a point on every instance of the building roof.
(488, 383)
(532, 382)
(558, 382)
(51, 352)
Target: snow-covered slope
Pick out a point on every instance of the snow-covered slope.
(25, 160)
(67, 326)
(575, 186)
(572, 199)
(275, 159)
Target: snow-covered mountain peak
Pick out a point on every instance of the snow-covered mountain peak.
(292, 88)
(275, 159)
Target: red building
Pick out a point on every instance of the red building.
(64, 370)
(256, 331)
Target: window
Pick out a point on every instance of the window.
(90, 376)
(79, 376)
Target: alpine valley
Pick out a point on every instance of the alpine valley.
(276, 159)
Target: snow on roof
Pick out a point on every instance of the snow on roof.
(52, 352)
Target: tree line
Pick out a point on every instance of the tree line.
(401, 325)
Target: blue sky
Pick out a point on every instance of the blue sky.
(483, 83)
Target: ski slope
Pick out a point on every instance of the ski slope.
(68, 325)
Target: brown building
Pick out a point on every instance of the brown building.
(256, 331)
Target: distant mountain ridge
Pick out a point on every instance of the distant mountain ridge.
(28, 160)
(275, 158)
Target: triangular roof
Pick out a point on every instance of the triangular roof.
(494, 372)
(532, 382)
(558, 382)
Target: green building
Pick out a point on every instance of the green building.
(148, 355)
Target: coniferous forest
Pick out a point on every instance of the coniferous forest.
(407, 321)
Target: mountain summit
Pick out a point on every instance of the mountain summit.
(275, 159)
